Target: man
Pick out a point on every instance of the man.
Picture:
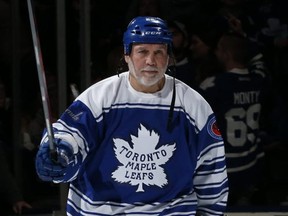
(140, 143)
(185, 70)
(238, 98)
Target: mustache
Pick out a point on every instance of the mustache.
(150, 68)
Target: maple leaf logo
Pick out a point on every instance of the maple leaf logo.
(142, 163)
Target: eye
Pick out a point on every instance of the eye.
(142, 51)
(159, 52)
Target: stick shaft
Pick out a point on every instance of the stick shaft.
(41, 77)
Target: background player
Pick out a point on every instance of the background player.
(238, 97)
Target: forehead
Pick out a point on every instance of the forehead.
(149, 46)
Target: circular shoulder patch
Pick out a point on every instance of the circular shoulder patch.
(213, 129)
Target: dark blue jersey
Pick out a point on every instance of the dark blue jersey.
(184, 70)
(237, 97)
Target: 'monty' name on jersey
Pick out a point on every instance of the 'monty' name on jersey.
(246, 97)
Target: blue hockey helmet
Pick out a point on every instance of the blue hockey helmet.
(146, 29)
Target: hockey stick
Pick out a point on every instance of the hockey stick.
(42, 82)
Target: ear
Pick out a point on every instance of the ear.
(126, 57)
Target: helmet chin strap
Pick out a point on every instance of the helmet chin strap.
(172, 105)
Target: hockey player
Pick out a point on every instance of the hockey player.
(141, 142)
(239, 97)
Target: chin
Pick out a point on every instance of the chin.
(148, 82)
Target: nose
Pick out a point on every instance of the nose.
(150, 60)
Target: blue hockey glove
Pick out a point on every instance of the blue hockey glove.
(60, 170)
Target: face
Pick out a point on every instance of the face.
(147, 65)
(198, 48)
(179, 41)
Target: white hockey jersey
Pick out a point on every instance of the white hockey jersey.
(131, 164)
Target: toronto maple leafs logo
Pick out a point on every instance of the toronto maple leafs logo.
(141, 164)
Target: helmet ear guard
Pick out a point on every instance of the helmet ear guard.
(148, 30)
